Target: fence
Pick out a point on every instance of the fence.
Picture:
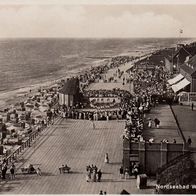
(12, 157)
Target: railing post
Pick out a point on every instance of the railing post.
(142, 156)
(163, 153)
(126, 154)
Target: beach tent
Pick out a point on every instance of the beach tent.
(180, 85)
(175, 79)
(69, 94)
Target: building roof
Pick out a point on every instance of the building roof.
(71, 87)
(187, 50)
(190, 66)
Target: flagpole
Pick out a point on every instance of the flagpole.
(180, 32)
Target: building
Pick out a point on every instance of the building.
(185, 81)
(183, 53)
(188, 70)
(69, 93)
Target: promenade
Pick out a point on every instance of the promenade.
(77, 144)
(168, 127)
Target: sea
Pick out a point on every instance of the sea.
(27, 62)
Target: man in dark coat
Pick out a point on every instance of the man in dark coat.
(99, 174)
(4, 170)
(189, 141)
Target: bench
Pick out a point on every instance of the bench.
(64, 169)
(27, 171)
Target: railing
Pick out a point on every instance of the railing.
(180, 130)
(32, 136)
(10, 158)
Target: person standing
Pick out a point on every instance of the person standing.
(126, 173)
(4, 170)
(156, 122)
(192, 106)
(94, 176)
(93, 124)
(189, 141)
(149, 123)
(99, 174)
(88, 176)
(38, 171)
(12, 172)
(121, 172)
(106, 160)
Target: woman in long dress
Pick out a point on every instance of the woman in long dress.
(106, 160)
(149, 123)
(88, 176)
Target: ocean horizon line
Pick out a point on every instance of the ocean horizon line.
(90, 38)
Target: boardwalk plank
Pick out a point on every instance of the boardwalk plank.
(76, 143)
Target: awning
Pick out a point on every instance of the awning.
(180, 85)
(175, 79)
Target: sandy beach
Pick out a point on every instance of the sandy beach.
(8, 98)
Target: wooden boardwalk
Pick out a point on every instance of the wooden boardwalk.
(76, 143)
(187, 120)
(168, 127)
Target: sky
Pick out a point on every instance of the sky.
(103, 19)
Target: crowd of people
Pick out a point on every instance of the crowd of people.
(38, 111)
(150, 89)
(94, 115)
(95, 73)
(107, 93)
(93, 174)
(5, 168)
(134, 124)
(133, 171)
(153, 84)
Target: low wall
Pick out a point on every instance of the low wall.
(151, 156)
